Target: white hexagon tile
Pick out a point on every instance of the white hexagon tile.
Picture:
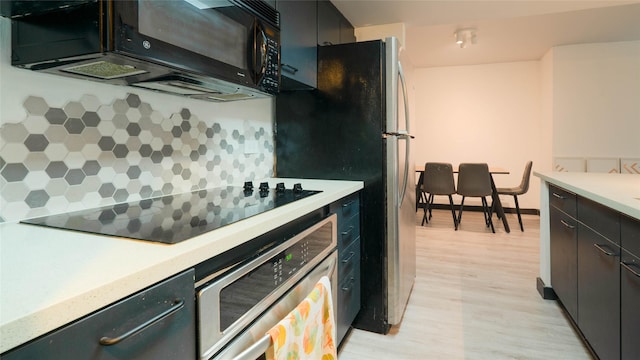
(87, 154)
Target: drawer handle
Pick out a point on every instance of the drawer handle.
(348, 232)
(288, 68)
(628, 266)
(605, 251)
(348, 204)
(177, 305)
(567, 225)
(350, 286)
(556, 195)
(349, 258)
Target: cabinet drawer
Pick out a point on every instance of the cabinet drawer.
(346, 207)
(171, 336)
(562, 200)
(349, 259)
(348, 231)
(630, 235)
(599, 218)
(348, 303)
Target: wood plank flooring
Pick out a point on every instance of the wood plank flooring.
(474, 298)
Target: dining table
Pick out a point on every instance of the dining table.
(497, 204)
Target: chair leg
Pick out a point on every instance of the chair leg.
(515, 197)
(453, 212)
(484, 211)
(488, 214)
(430, 202)
(460, 212)
(424, 215)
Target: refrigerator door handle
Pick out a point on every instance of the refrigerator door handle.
(404, 134)
(401, 134)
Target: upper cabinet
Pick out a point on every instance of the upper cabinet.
(305, 24)
(333, 27)
(298, 41)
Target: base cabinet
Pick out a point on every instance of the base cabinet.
(348, 212)
(599, 292)
(119, 332)
(564, 259)
(630, 288)
(564, 248)
(595, 271)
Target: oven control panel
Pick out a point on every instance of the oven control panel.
(290, 261)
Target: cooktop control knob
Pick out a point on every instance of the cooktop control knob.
(264, 189)
(280, 188)
(297, 188)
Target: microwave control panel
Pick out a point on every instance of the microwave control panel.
(271, 79)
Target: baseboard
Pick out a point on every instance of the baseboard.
(507, 210)
(547, 293)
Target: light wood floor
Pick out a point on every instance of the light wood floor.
(474, 298)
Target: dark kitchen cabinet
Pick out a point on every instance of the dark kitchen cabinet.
(348, 212)
(630, 288)
(599, 277)
(564, 259)
(599, 292)
(298, 39)
(333, 27)
(167, 308)
(564, 248)
(607, 280)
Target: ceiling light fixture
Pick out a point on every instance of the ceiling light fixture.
(466, 36)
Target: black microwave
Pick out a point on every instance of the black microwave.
(206, 49)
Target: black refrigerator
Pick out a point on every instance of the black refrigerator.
(355, 126)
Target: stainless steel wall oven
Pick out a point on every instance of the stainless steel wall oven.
(238, 303)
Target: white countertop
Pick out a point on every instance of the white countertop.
(50, 277)
(620, 192)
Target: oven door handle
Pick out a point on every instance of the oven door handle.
(256, 350)
(262, 345)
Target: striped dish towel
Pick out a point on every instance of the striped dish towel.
(308, 332)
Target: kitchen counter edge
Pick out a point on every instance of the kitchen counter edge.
(620, 192)
(51, 277)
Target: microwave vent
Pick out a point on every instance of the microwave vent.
(261, 9)
(104, 70)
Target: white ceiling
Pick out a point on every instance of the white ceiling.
(507, 30)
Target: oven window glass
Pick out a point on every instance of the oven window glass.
(204, 31)
(243, 294)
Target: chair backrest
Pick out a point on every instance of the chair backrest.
(438, 179)
(474, 179)
(524, 184)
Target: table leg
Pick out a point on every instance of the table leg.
(497, 205)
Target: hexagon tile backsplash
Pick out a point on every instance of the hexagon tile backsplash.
(87, 154)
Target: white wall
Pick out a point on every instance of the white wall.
(377, 32)
(483, 113)
(596, 97)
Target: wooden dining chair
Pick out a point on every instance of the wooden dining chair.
(438, 180)
(474, 180)
(518, 190)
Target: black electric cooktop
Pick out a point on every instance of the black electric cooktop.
(174, 218)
